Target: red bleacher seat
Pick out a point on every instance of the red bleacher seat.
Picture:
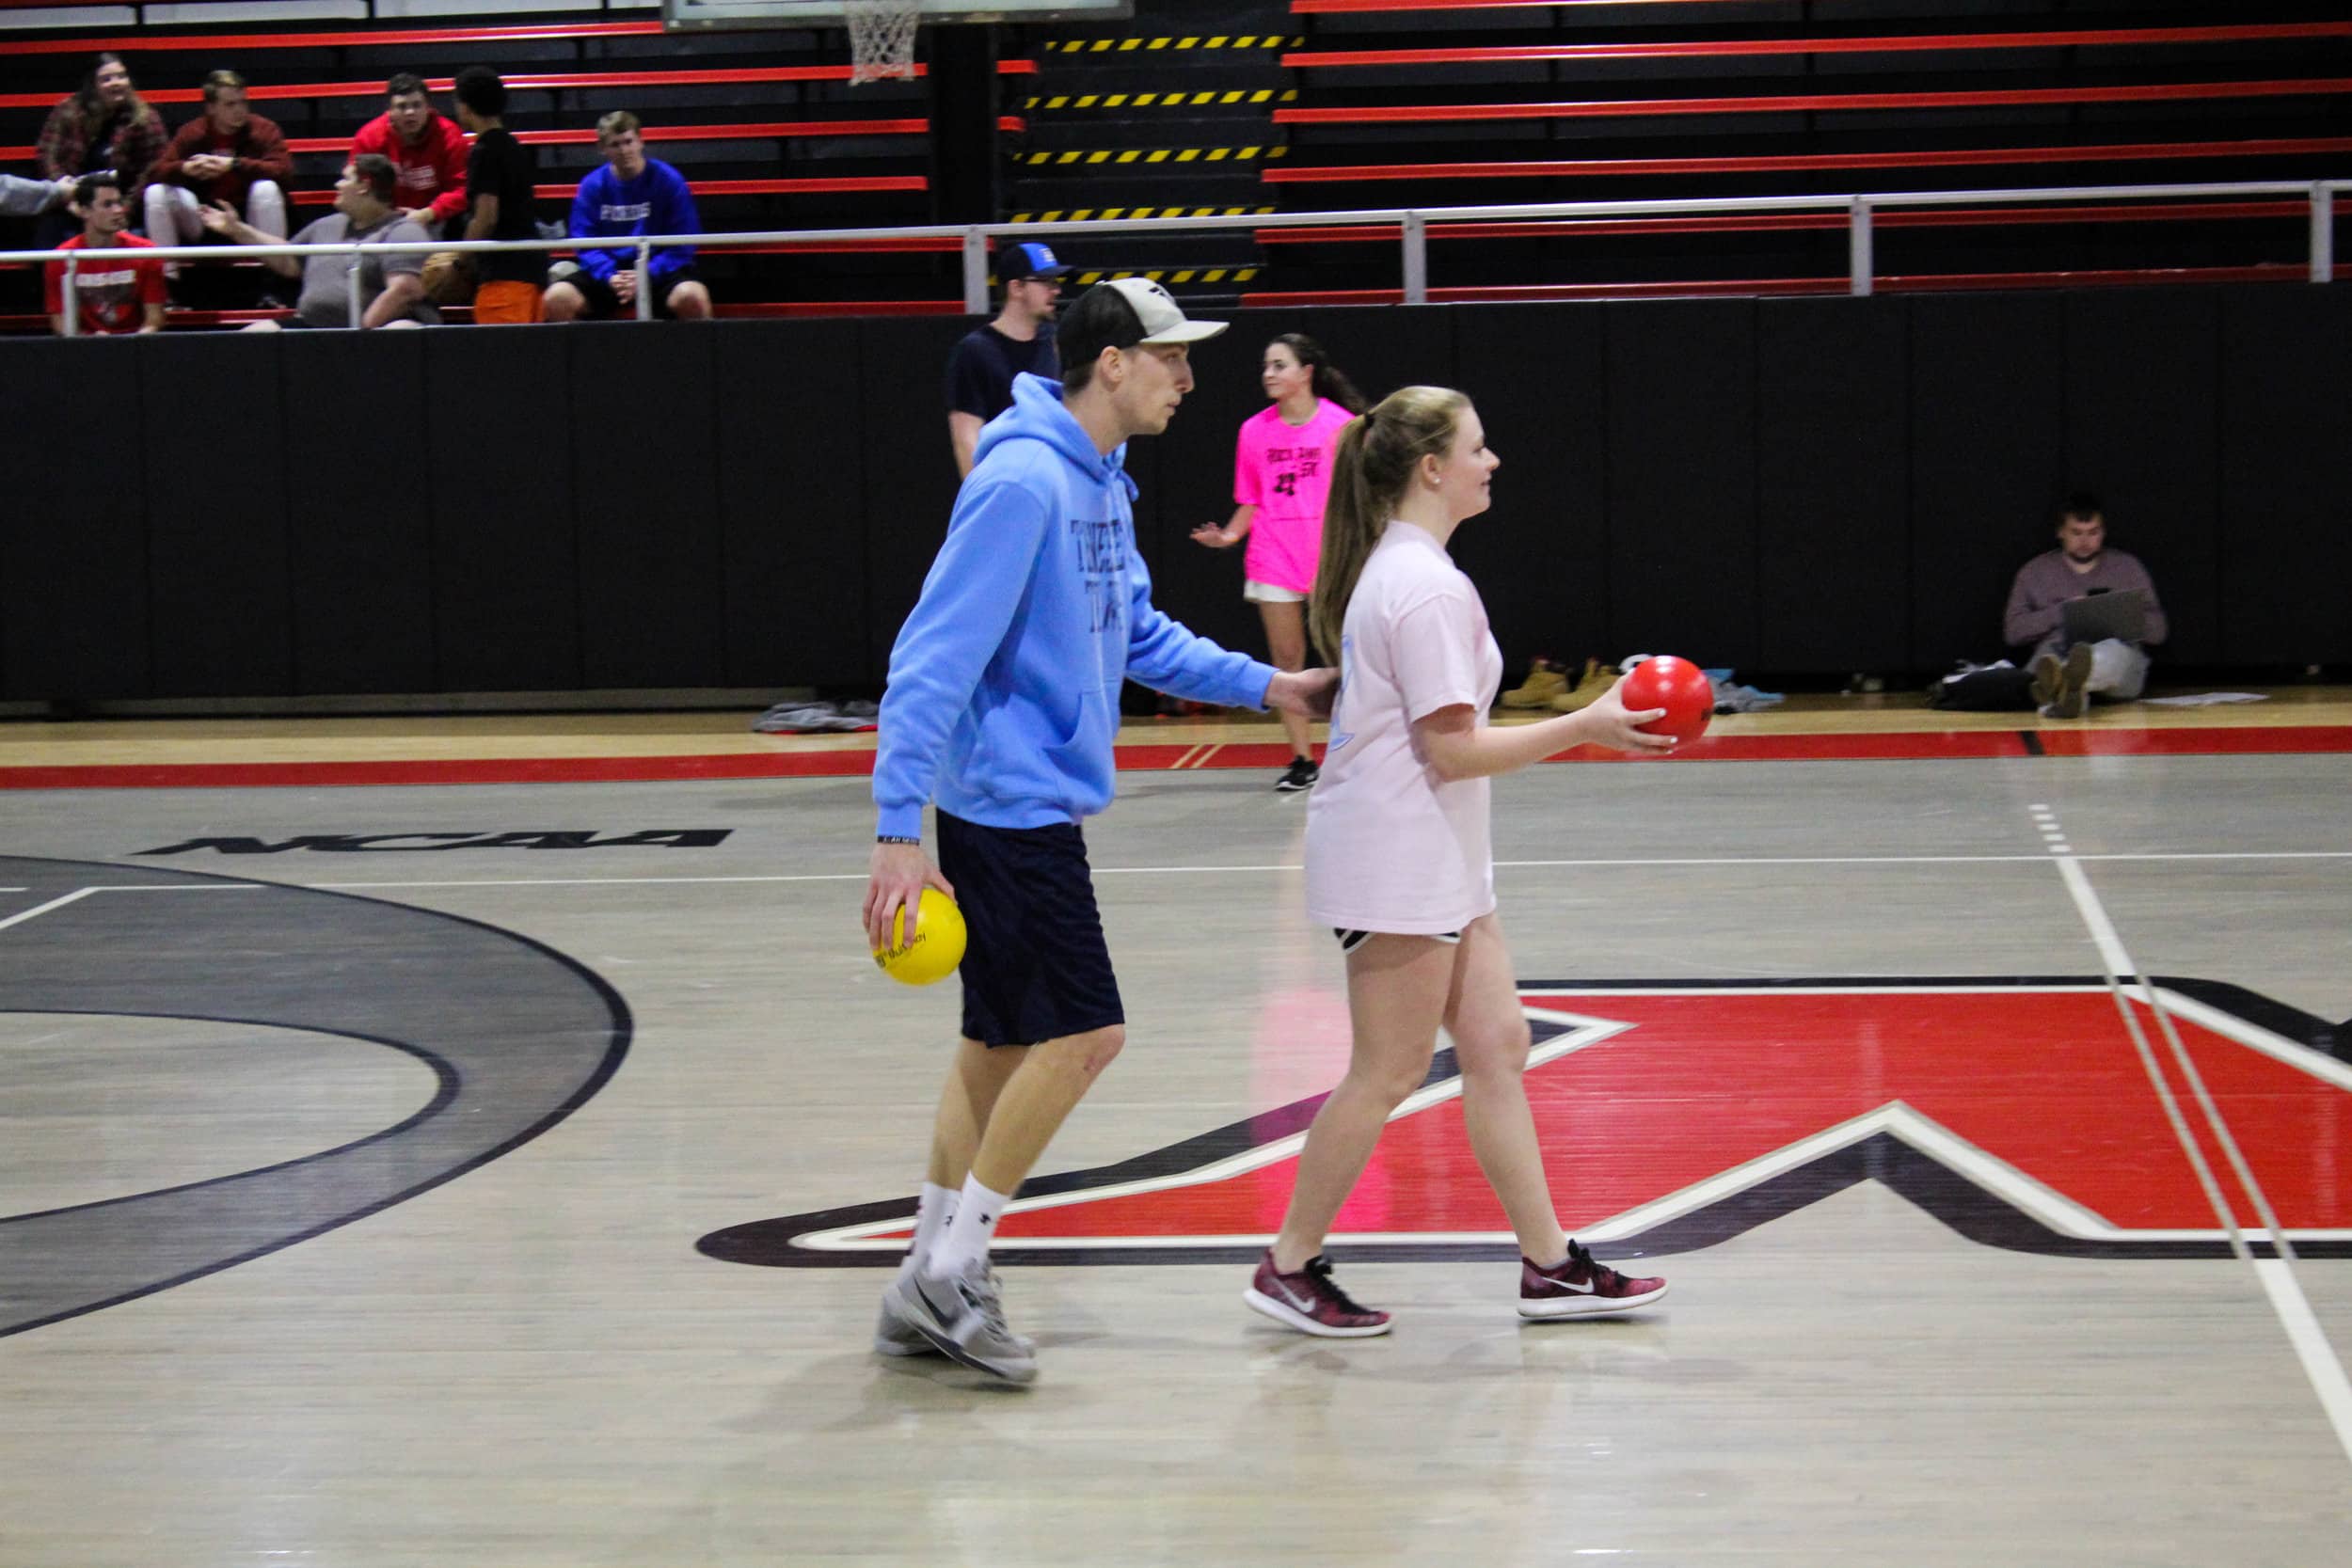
(1783, 162)
(1663, 49)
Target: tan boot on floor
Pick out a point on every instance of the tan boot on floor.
(1544, 681)
(1597, 679)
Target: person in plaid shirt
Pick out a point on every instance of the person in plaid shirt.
(106, 125)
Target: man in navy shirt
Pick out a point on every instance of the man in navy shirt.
(980, 370)
(631, 195)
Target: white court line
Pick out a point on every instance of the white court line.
(38, 910)
(1295, 867)
(133, 887)
(2317, 1355)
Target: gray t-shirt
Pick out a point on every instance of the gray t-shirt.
(325, 280)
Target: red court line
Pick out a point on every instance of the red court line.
(1614, 108)
(1721, 48)
(2102, 152)
(1909, 746)
(2262, 740)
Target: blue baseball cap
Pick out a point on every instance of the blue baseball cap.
(1028, 259)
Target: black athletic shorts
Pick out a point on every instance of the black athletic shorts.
(1350, 941)
(603, 301)
(1034, 966)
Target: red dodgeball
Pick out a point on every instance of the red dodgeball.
(1676, 684)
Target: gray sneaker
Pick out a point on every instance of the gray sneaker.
(964, 1317)
(895, 1333)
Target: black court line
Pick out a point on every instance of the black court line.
(518, 1035)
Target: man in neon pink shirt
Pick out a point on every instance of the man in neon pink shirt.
(427, 150)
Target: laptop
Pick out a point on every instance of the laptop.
(2120, 613)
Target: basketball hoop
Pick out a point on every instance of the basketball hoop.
(881, 38)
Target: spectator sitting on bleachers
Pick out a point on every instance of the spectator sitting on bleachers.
(427, 150)
(117, 294)
(20, 198)
(500, 178)
(392, 287)
(106, 125)
(631, 195)
(227, 155)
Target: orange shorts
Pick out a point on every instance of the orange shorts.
(508, 303)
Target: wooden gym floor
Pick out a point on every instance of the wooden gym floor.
(481, 1139)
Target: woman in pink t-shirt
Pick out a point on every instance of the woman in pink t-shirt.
(1282, 471)
(1400, 864)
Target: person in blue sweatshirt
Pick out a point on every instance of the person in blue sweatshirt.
(1001, 709)
(631, 195)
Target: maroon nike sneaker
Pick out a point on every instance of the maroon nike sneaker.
(1310, 1302)
(1582, 1287)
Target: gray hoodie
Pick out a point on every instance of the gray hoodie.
(23, 199)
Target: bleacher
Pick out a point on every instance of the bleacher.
(1444, 102)
(764, 124)
(1241, 106)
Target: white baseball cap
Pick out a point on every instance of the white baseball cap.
(1163, 320)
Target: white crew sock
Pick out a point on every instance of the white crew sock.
(933, 1211)
(978, 1210)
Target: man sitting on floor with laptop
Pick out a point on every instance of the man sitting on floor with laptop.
(2090, 614)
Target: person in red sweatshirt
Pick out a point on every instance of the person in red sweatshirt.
(227, 153)
(427, 149)
(111, 293)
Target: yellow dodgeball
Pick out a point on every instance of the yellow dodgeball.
(937, 947)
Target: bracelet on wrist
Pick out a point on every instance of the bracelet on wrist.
(895, 838)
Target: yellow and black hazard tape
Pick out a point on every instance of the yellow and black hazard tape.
(1113, 215)
(1188, 275)
(1159, 100)
(1156, 156)
(1124, 46)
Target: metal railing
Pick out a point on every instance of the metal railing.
(1413, 223)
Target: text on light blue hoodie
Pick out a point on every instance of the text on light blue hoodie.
(1003, 682)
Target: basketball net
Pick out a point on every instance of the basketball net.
(881, 38)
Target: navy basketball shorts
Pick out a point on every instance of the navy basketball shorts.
(1035, 965)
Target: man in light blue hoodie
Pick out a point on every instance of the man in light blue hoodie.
(1002, 707)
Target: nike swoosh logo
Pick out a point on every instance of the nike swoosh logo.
(1305, 1303)
(1579, 1289)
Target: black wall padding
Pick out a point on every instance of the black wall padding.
(1682, 512)
(75, 617)
(894, 390)
(2285, 534)
(1785, 486)
(1833, 485)
(357, 466)
(1540, 557)
(645, 457)
(790, 475)
(1987, 463)
(215, 524)
(497, 480)
(2143, 433)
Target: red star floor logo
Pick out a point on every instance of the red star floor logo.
(2019, 1112)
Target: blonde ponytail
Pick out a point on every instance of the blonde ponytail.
(1376, 456)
